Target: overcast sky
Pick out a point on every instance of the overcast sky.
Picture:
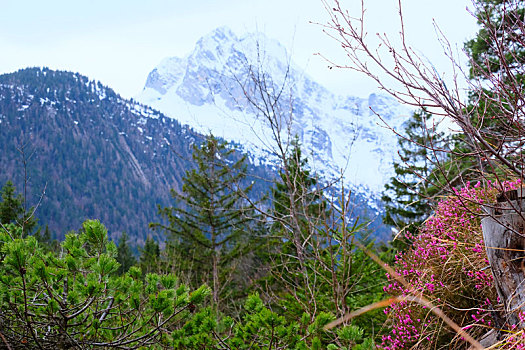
(120, 41)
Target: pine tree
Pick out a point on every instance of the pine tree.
(74, 300)
(407, 197)
(299, 212)
(298, 187)
(125, 256)
(211, 226)
(500, 20)
(11, 207)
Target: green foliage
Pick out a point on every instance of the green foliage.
(258, 327)
(150, 256)
(75, 300)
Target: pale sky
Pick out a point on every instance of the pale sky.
(120, 41)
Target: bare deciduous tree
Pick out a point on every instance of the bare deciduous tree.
(490, 119)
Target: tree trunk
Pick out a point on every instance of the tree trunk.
(215, 273)
(504, 237)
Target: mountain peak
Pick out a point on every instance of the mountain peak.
(205, 90)
(223, 33)
(219, 37)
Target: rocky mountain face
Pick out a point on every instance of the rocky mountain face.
(95, 154)
(210, 90)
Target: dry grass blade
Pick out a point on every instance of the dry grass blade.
(365, 309)
(5, 341)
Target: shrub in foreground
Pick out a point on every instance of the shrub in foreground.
(74, 299)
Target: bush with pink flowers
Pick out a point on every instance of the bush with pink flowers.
(447, 263)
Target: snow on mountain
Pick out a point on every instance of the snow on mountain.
(338, 133)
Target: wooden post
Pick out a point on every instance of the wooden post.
(504, 237)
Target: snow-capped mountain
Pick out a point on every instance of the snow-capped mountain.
(206, 90)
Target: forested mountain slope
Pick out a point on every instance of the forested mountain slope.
(100, 155)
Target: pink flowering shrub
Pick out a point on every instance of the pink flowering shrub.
(447, 263)
(516, 338)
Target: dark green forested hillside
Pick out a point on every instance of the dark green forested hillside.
(101, 156)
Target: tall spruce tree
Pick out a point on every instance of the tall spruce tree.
(211, 224)
(299, 211)
(297, 189)
(497, 61)
(497, 66)
(500, 29)
(407, 196)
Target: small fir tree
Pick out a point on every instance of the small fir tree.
(297, 189)
(11, 207)
(298, 205)
(125, 256)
